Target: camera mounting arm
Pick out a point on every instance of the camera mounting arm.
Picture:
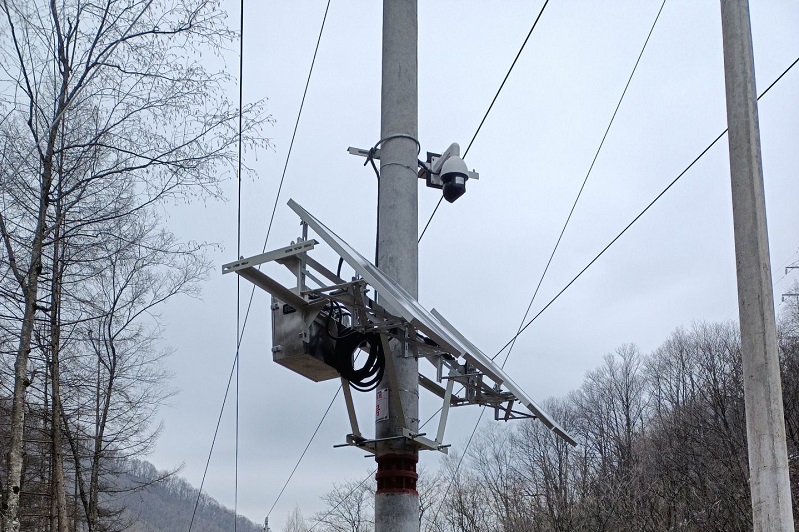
(445, 171)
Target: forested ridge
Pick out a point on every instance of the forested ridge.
(156, 501)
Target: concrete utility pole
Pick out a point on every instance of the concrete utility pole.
(765, 421)
(396, 499)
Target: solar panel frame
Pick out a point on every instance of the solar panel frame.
(398, 301)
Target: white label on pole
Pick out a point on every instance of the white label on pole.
(381, 411)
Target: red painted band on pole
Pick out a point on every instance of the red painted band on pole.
(396, 473)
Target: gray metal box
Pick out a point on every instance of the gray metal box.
(301, 343)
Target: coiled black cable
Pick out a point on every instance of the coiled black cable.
(346, 342)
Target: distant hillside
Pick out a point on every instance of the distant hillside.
(166, 505)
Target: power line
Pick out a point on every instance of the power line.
(512, 341)
(490, 106)
(318, 426)
(238, 278)
(662, 193)
(303, 452)
(240, 334)
(296, 124)
(587, 175)
(238, 301)
(515, 59)
(563, 230)
(213, 443)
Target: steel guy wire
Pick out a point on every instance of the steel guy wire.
(490, 106)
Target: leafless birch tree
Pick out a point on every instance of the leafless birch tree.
(108, 111)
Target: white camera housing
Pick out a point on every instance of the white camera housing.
(448, 172)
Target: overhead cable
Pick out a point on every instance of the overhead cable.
(490, 106)
(213, 443)
(305, 450)
(240, 334)
(587, 175)
(662, 193)
(238, 302)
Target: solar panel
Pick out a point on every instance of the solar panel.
(398, 301)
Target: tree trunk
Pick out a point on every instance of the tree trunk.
(30, 289)
(16, 450)
(58, 493)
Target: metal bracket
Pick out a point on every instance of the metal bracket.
(345, 387)
(425, 443)
(277, 254)
(360, 152)
(423, 334)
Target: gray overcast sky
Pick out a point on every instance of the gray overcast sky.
(482, 256)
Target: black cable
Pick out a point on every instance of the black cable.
(587, 175)
(370, 158)
(637, 217)
(490, 106)
(303, 452)
(213, 443)
(368, 376)
(296, 124)
(266, 239)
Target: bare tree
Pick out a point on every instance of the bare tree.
(115, 370)
(348, 508)
(295, 522)
(108, 112)
(551, 470)
(465, 505)
(789, 358)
